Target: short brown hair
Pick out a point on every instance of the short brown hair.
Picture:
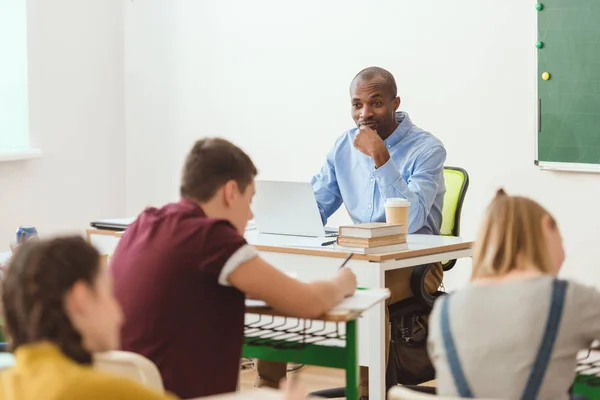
(511, 233)
(210, 164)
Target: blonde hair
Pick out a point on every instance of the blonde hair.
(511, 237)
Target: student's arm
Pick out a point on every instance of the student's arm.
(325, 186)
(234, 262)
(258, 279)
(421, 188)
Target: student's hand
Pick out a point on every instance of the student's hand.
(347, 281)
(368, 142)
(293, 390)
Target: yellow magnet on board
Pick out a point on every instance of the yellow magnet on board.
(545, 76)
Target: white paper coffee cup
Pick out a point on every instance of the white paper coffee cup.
(396, 212)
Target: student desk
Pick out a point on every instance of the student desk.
(309, 261)
(587, 379)
(327, 341)
(306, 260)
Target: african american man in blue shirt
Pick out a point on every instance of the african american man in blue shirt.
(384, 156)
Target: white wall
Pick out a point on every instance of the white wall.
(77, 119)
(273, 77)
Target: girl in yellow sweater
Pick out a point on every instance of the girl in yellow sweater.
(59, 309)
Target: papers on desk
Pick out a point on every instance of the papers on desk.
(301, 242)
(361, 300)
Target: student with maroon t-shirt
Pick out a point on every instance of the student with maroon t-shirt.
(181, 274)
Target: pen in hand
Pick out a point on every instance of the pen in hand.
(346, 260)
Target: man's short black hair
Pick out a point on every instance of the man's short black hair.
(370, 73)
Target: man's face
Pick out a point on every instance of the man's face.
(374, 106)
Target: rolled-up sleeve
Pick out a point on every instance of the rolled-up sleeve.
(421, 187)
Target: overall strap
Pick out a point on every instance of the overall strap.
(536, 375)
(460, 381)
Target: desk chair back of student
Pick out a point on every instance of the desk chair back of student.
(130, 365)
(457, 183)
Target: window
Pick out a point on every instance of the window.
(14, 99)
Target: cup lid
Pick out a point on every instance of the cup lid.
(397, 201)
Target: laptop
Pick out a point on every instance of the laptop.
(114, 224)
(288, 208)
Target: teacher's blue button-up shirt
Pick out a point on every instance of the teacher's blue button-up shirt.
(415, 171)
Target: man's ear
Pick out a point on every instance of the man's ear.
(230, 190)
(396, 103)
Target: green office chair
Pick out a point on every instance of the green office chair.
(457, 183)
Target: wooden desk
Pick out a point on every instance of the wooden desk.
(311, 263)
(317, 263)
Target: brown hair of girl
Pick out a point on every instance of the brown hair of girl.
(40, 274)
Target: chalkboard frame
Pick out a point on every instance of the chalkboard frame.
(549, 165)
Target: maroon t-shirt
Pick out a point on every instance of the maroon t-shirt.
(167, 269)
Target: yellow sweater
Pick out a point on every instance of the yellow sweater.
(42, 372)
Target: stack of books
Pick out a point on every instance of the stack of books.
(371, 238)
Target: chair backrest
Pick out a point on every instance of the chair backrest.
(457, 183)
(402, 393)
(130, 365)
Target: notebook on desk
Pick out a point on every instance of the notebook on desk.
(114, 224)
(362, 300)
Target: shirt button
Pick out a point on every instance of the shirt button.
(372, 179)
(389, 146)
(370, 206)
(378, 179)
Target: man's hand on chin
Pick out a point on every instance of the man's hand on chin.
(368, 142)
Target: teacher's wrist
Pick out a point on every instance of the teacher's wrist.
(380, 156)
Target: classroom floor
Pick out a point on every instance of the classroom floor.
(313, 378)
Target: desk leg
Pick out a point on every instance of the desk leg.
(351, 361)
(377, 347)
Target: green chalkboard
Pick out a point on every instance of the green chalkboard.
(569, 101)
